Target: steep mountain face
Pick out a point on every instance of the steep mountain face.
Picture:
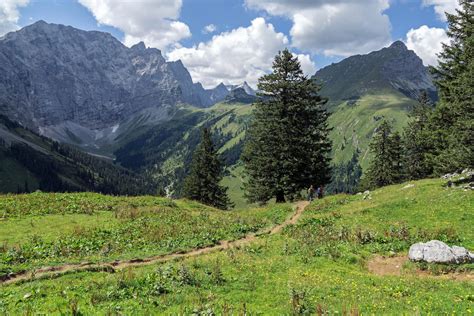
(393, 68)
(57, 79)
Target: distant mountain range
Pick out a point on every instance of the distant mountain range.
(81, 86)
(87, 89)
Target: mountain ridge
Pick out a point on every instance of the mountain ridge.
(55, 73)
(394, 67)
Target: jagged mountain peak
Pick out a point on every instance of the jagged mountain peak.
(245, 86)
(391, 68)
(140, 46)
(398, 45)
(61, 80)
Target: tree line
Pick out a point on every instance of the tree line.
(438, 139)
(287, 146)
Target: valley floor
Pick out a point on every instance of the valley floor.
(321, 264)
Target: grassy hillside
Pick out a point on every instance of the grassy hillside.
(48, 229)
(320, 265)
(354, 122)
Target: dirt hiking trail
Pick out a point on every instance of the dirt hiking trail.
(111, 267)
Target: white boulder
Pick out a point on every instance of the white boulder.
(436, 251)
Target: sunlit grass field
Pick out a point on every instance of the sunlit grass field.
(317, 266)
(52, 228)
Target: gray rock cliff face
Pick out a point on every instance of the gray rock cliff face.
(52, 74)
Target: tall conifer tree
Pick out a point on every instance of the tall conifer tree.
(453, 119)
(288, 146)
(416, 140)
(385, 167)
(202, 183)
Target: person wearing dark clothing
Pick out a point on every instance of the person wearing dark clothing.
(319, 192)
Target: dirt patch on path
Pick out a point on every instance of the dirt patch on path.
(384, 266)
(111, 267)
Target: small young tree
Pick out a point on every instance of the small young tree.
(287, 148)
(202, 183)
(385, 167)
(416, 140)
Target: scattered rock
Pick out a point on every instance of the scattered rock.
(436, 251)
(410, 185)
(467, 173)
(450, 175)
(367, 195)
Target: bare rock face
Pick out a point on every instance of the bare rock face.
(53, 74)
(436, 251)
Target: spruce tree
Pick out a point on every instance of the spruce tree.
(416, 140)
(287, 148)
(386, 166)
(453, 119)
(202, 183)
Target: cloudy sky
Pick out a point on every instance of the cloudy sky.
(235, 40)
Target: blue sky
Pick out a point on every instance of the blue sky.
(235, 40)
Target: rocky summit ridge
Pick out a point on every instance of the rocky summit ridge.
(54, 75)
(393, 68)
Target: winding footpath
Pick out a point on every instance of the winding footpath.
(111, 267)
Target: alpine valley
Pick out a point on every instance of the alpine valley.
(63, 87)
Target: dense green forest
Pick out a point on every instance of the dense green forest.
(58, 167)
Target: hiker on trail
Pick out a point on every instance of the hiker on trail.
(311, 193)
(319, 192)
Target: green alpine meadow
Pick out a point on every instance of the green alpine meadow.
(241, 157)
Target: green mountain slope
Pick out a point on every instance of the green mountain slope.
(165, 150)
(354, 123)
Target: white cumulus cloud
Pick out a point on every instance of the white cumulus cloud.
(427, 42)
(307, 65)
(208, 29)
(442, 6)
(9, 15)
(337, 27)
(242, 54)
(153, 21)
